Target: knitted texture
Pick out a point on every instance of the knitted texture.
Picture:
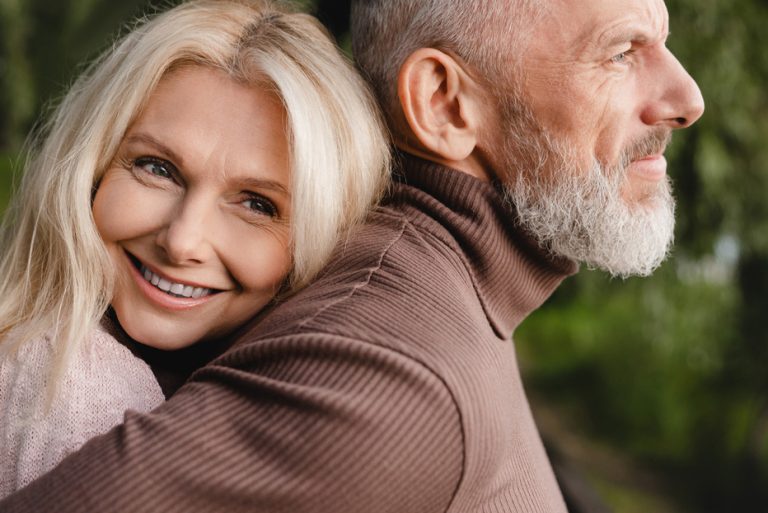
(389, 385)
(103, 381)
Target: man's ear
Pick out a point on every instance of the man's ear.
(440, 104)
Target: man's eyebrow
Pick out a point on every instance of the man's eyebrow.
(147, 139)
(618, 36)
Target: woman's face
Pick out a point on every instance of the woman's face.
(195, 209)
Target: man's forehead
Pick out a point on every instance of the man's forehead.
(600, 22)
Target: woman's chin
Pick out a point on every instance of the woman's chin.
(157, 335)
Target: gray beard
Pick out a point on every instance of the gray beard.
(580, 214)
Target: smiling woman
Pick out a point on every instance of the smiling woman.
(206, 165)
(209, 243)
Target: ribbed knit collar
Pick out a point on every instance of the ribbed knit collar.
(513, 276)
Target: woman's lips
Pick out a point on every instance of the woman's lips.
(162, 298)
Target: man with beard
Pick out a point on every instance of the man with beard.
(566, 106)
(531, 137)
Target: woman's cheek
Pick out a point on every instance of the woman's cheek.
(124, 208)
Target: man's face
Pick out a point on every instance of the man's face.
(585, 131)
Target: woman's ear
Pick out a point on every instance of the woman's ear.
(440, 104)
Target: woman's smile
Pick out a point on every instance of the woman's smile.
(169, 286)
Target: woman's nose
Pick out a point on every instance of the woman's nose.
(185, 238)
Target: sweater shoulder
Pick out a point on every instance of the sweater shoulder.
(99, 361)
(399, 286)
(43, 421)
(399, 265)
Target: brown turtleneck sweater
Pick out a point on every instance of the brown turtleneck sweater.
(389, 385)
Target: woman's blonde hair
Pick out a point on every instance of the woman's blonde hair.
(55, 274)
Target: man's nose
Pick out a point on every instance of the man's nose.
(678, 102)
(185, 238)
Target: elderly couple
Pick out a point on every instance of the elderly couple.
(217, 194)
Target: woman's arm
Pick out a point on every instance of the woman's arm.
(308, 423)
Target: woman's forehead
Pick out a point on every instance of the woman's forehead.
(202, 118)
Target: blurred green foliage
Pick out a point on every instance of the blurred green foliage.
(670, 371)
(6, 177)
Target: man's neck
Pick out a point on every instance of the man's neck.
(472, 165)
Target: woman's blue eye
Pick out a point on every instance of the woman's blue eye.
(260, 205)
(153, 166)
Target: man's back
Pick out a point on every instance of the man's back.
(432, 289)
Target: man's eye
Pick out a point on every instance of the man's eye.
(260, 205)
(154, 166)
(621, 58)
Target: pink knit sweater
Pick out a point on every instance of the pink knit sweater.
(38, 430)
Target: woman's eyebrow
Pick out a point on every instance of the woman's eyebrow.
(147, 139)
(244, 181)
(260, 183)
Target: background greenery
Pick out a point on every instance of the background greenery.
(653, 390)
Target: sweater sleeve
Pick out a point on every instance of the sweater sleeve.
(305, 423)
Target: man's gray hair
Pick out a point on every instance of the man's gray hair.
(486, 34)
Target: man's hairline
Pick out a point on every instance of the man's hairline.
(497, 65)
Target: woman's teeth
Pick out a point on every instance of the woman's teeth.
(174, 289)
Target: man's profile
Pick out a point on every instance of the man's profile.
(570, 106)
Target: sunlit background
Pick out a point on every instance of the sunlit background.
(650, 393)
